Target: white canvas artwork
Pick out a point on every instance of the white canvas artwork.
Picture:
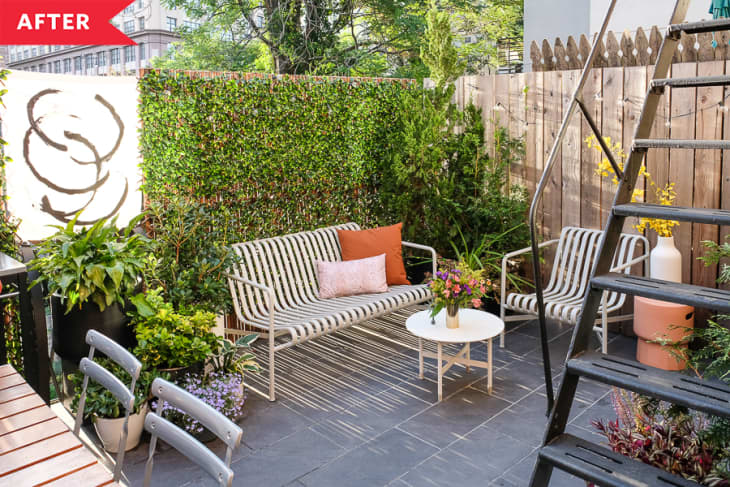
(73, 141)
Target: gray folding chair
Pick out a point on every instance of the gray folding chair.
(222, 427)
(123, 393)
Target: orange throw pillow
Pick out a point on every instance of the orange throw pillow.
(360, 244)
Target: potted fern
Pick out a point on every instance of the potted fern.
(90, 274)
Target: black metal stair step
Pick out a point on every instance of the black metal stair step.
(691, 82)
(709, 396)
(681, 144)
(604, 467)
(699, 27)
(710, 216)
(701, 297)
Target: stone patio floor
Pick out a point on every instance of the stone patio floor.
(351, 411)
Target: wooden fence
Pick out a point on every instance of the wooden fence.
(532, 104)
(626, 49)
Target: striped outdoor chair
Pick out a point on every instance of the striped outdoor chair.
(274, 288)
(569, 279)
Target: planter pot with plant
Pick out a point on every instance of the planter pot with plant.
(106, 413)
(177, 342)
(90, 273)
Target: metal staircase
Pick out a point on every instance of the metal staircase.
(592, 462)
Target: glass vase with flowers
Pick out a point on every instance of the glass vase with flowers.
(458, 287)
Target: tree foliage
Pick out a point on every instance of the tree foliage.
(345, 37)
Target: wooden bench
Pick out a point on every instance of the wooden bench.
(275, 289)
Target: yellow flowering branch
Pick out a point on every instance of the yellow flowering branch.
(664, 196)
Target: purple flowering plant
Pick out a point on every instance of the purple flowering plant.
(221, 390)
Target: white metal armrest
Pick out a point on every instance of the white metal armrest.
(423, 247)
(505, 259)
(630, 263)
(271, 297)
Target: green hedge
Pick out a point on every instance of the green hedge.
(268, 156)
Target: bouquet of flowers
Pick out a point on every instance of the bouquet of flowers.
(458, 288)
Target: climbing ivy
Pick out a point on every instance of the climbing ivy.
(8, 245)
(269, 155)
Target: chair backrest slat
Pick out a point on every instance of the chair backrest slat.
(190, 447)
(109, 381)
(225, 429)
(114, 351)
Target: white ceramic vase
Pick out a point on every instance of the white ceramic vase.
(110, 430)
(665, 261)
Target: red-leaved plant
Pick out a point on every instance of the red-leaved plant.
(658, 436)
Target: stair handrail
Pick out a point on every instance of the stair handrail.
(576, 102)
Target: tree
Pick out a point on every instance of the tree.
(345, 37)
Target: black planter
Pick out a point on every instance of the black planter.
(69, 330)
(177, 374)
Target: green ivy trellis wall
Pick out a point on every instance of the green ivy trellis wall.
(268, 155)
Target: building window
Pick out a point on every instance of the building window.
(190, 25)
(129, 26)
(140, 22)
(227, 36)
(129, 54)
(171, 24)
(26, 54)
(140, 3)
(78, 65)
(67, 65)
(12, 57)
(101, 58)
(42, 68)
(142, 51)
(129, 9)
(259, 21)
(89, 59)
(50, 67)
(34, 51)
(115, 56)
(56, 48)
(56, 66)
(41, 50)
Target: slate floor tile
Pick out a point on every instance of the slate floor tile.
(375, 463)
(448, 468)
(452, 418)
(488, 445)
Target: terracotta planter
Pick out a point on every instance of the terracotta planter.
(110, 430)
(660, 320)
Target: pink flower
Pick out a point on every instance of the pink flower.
(473, 283)
(483, 289)
(457, 279)
(476, 303)
(447, 293)
(457, 288)
(448, 284)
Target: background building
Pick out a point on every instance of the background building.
(147, 22)
(548, 19)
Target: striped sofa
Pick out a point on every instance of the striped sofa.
(274, 288)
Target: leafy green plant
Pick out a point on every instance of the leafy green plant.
(10, 245)
(190, 255)
(167, 338)
(100, 263)
(102, 403)
(235, 357)
(268, 156)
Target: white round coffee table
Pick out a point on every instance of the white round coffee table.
(474, 326)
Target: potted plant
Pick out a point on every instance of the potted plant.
(219, 389)
(89, 273)
(456, 288)
(170, 340)
(106, 413)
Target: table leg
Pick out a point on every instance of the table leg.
(468, 355)
(440, 368)
(489, 366)
(420, 358)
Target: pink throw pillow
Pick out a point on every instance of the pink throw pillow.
(350, 277)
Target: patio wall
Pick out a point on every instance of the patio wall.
(532, 104)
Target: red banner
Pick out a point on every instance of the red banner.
(71, 22)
